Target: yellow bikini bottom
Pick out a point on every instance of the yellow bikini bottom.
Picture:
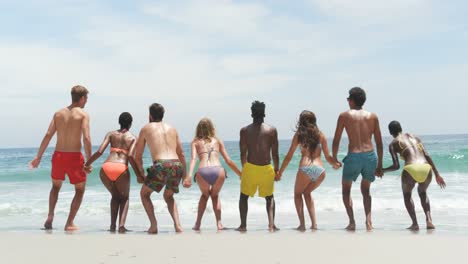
(419, 172)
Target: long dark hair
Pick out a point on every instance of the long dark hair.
(308, 134)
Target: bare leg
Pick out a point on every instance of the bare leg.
(407, 184)
(114, 204)
(172, 207)
(145, 194)
(243, 209)
(215, 198)
(122, 187)
(348, 203)
(53, 197)
(302, 180)
(270, 207)
(205, 190)
(75, 205)
(310, 201)
(422, 191)
(367, 200)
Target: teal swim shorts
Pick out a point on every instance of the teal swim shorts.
(363, 163)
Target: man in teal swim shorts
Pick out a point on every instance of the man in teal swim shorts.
(360, 126)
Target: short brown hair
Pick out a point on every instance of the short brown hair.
(157, 112)
(77, 92)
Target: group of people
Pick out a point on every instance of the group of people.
(258, 148)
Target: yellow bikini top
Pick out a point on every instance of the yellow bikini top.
(419, 146)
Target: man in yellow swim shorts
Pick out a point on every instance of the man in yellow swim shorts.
(258, 145)
(418, 169)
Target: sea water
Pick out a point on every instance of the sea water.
(24, 195)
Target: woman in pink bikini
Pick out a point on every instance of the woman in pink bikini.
(114, 172)
(210, 174)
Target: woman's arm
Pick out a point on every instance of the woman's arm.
(228, 160)
(132, 161)
(393, 152)
(289, 156)
(99, 152)
(440, 181)
(193, 160)
(326, 152)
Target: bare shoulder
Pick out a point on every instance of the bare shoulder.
(373, 116)
(269, 127)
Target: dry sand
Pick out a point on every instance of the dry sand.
(231, 247)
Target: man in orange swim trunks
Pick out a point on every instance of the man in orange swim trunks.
(71, 124)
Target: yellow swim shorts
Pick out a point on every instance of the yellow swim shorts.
(257, 177)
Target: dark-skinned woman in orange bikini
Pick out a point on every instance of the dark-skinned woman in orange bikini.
(114, 172)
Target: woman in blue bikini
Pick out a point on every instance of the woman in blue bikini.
(210, 174)
(311, 172)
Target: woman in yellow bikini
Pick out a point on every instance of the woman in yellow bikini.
(418, 169)
(114, 172)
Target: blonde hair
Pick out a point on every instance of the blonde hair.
(205, 130)
(77, 92)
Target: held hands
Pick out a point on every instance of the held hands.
(336, 164)
(88, 169)
(379, 172)
(141, 179)
(187, 182)
(440, 181)
(278, 175)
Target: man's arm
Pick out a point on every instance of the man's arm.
(86, 136)
(379, 145)
(139, 149)
(396, 163)
(243, 146)
(337, 137)
(274, 150)
(131, 160)
(45, 142)
(181, 155)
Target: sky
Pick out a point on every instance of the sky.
(212, 58)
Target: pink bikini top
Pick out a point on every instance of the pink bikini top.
(119, 150)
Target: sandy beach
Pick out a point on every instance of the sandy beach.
(231, 247)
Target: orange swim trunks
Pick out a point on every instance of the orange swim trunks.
(70, 163)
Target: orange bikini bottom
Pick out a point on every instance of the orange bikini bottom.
(114, 169)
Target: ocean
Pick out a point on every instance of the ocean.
(24, 195)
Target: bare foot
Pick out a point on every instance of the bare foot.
(301, 228)
(71, 227)
(429, 226)
(369, 226)
(123, 230)
(273, 228)
(314, 227)
(153, 230)
(220, 226)
(112, 228)
(196, 227)
(48, 222)
(413, 227)
(178, 229)
(351, 227)
(241, 229)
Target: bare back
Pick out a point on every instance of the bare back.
(410, 148)
(208, 152)
(259, 140)
(162, 140)
(69, 123)
(360, 125)
(123, 141)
